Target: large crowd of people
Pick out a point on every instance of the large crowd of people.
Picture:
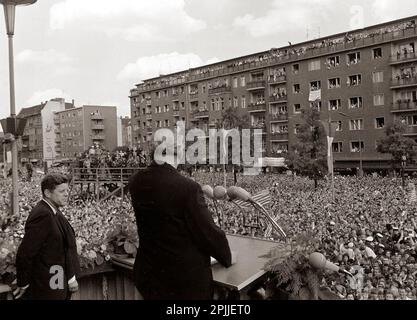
(369, 228)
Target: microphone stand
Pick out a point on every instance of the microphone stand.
(261, 209)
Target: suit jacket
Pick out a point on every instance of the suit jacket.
(177, 236)
(49, 240)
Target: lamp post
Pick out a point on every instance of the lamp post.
(9, 14)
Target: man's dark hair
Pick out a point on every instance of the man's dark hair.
(51, 181)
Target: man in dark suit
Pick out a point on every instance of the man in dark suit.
(177, 236)
(47, 262)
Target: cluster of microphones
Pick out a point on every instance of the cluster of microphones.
(233, 194)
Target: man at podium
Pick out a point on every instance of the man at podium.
(177, 235)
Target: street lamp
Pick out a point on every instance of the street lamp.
(9, 14)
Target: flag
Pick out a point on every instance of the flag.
(263, 197)
(315, 95)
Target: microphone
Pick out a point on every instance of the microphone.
(237, 193)
(220, 193)
(318, 261)
(208, 191)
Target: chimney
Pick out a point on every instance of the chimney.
(73, 103)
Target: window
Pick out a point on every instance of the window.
(357, 146)
(378, 100)
(182, 105)
(297, 108)
(157, 94)
(295, 68)
(411, 120)
(242, 81)
(235, 82)
(203, 88)
(165, 93)
(235, 102)
(316, 104)
(334, 104)
(166, 108)
(337, 147)
(283, 128)
(333, 62)
(157, 109)
(377, 53)
(166, 124)
(337, 125)
(354, 80)
(378, 76)
(380, 123)
(314, 65)
(353, 58)
(315, 85)
(356, 124)
(355, 103)
(334, 83)
(243, 102)
(296, 88)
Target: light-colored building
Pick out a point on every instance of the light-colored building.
(80, 128)
(126, 128)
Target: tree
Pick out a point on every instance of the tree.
(396, 144)
(308, 156)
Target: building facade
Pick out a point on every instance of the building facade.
(77, 129)
(38, 139)
(362, 81)
(126, 132)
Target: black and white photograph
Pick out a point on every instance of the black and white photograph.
(208, 150)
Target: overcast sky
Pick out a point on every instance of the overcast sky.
(95, 51)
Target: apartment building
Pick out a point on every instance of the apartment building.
(362, 81)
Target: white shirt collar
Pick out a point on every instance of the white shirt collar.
(52, 207)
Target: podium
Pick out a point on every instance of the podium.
(241, 277)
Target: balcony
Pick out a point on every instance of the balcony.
(148, 116)
(403, 58)
(411, 131)
(201, 114)
(97, 137)
(277, 79)
(56, 120)
(219, 90)
(404, 83)
(194, 96)
(256, 85)
(149, 130)
(97, 117)
(257, 107)
(278, 136)
(404, 106)
(279, 117)
(57, 130)
(98, 127)
(258, 125)
(58, 140)
(278, 99)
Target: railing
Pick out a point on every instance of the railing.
(98, 127)
(279, 136)
(279, 117)
(404, 82)
(311, 52)
(97, 117)
(98, 137)
(218, 90)
(94, 174)
(57, 130)
(149, 129)
(253, 107)
(259, 125)
(148, 116)
(278, 99)
(258, 84)
(201, 114)
(277, 79)
(404, 57)
(404, 105)
(193, 96)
